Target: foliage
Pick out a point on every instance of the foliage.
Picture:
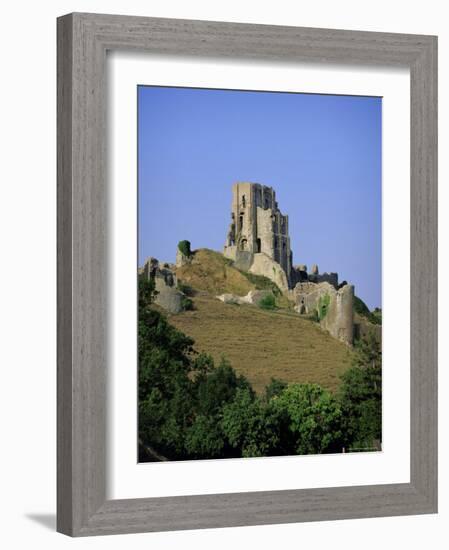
(323, 306)
(187, 303)
(164, 367)
(376, 316)
(274, 388)
(147, 292)
(361, 395)
(313, 418)
(268, 302)
(251, 427)
(185, 289)
(189, 407)
(204, 438)
(217, 387)
(362, 309)
(184, 248)
(367, 351)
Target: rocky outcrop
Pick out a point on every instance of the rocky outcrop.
(253, 297)
(264, 265)
(339, 320)
(165, 282)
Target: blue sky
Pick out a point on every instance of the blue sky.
(321, 153)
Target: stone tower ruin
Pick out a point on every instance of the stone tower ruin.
(258, 226)
(258, 241)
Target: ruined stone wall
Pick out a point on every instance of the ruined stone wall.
(265, 231)
(339, 320)
(165, 282)
(331, 278)
(335, 306)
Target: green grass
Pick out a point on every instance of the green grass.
(268, 302)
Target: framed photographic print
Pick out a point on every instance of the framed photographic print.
(247, 279)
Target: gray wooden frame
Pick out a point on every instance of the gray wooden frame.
(83, 40)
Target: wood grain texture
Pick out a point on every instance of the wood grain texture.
(83, 40)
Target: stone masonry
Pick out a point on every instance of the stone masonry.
(165, 284)
(257, 227)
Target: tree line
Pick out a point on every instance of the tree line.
(192, 408)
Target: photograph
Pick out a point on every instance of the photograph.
(230, 336)
(259, 274)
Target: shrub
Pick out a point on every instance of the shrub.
(184, 248)
(251, 427)
(362, 309)
(274, 388)
(312, 419)
(360, 395)
(268, 302)
(187, 304)
(323, 306)
(185, 289)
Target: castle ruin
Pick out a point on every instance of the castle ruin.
(258, 226)
(258, 241)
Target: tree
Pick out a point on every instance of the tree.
(217, 387)
(368, 352)
(165, 361)
(251, 426)
(184, 248)
(360, 395)
(274, 388)
(312, 418)
(213, 389)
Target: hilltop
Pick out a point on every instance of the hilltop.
(211, 272)
(259, 344)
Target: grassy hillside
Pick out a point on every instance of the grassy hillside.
(262, 344)
(212, 272)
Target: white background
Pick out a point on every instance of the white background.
(130, 480)
(27, 283)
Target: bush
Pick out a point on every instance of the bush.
(185, 289)
(274, 388)
(251, 428)
(312, 419)
(184, 248)
(187, 304)
(268, 302)
(362, 309)
(323, 306)
(360, 395)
